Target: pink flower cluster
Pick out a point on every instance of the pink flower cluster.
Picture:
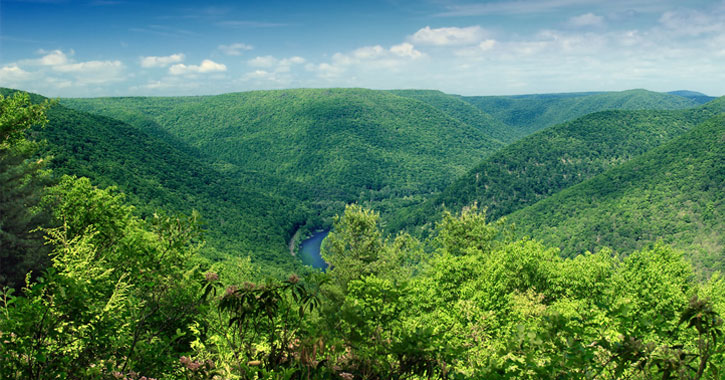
(130, 376)
(211, 276)
(195, 365)
(231, 289)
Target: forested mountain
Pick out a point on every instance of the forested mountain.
(530, 113)
(698, 97)
(456, 107)
(546, 162)
(674, 192)
(156, 175)
(332, 145)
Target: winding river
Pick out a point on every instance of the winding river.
(310, 250)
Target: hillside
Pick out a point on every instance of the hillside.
(546, 162)
(457, 108)
(156, 175)
(675, 192)
(332, 145)
(695, 96)
(530, 113)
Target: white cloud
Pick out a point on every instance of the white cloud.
(89, 66)
(152, 61)
(406, 49)
(12, 75)
(235, 49)
(367, 59)
(170, 85)
(476, 50)
(57, 62)
(693, 22)
(207, 66)
(266, 61)
(268, 79)
(448, 36)
(258, 74)
(326, 70)
(275, 65)
(52, 58)
(272, 72)
(487, 45)
(93, 72)
(293, 61)
(263, 76)
(368, 52)
(58, 82)
(586, 20)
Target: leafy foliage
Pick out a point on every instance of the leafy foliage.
(119, 296)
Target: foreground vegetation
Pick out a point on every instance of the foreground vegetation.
(127, 297)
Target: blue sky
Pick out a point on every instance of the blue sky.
(129, 47)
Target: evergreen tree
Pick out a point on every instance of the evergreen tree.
(22, 179)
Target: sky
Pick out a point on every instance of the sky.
(127, 47)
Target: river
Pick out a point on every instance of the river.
(310, 250)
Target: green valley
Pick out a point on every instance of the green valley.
(328, 146)
(362, 190)
(166, 226)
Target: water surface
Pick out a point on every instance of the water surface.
(310, 250)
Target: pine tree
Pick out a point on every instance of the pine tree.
(22, 180)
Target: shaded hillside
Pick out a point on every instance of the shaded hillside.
(335, 145)
(530, 113)
(546, 162)
(456, 107)
(695, 96)
(675, 192)
(156, 175)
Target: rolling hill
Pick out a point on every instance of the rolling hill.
(695, 96)
(457, 108)
(551, 160)
(332, 146)
(674, 193)
(156, 175)
(529, 113)
(260, 165)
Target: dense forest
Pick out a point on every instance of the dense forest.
(672, 193)
(331, 147)
(147, 238)
(526, 114)
(556, 158)
(156, 175)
